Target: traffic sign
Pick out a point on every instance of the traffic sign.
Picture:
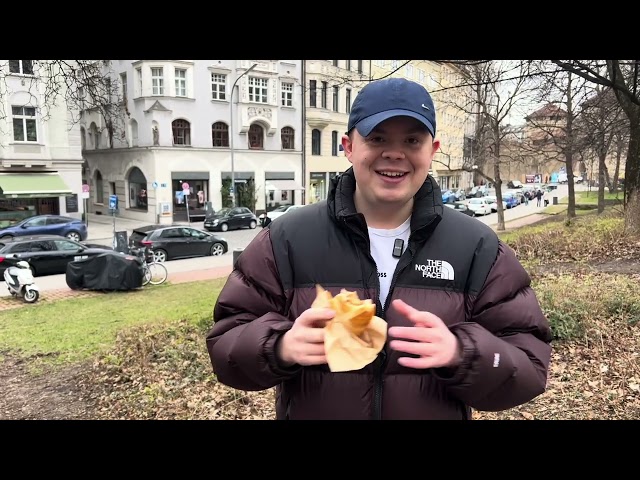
(85, 188)
(113, 202)
(185, 186)
(155, 184)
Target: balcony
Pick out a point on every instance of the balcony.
(318, 117)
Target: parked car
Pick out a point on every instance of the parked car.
(72, 228)
(231, 219)
(278, 212)
(493, 203)
(171, 242)
(478, 191)
(453, 195)
(511, 200)
(460, 207)
(479, 206)
(46, 254)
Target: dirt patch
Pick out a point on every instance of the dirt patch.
(51, 395)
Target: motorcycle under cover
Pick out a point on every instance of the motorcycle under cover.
(108, 271)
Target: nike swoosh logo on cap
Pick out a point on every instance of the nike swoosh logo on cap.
(424, 106)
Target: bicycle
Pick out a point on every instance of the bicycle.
(154, 273)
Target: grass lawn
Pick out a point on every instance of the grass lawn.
(554, 209)
(75, 329)
(591, 198)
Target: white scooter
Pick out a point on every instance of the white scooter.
(20, 282)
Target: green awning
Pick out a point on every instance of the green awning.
(33, 185)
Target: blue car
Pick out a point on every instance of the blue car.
(71, 228)
(511, 200)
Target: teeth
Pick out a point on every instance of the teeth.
(391, 174)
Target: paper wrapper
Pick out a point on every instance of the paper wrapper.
(355, 336)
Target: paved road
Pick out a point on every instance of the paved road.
(524, 210)
(236, 239)
(101, 231)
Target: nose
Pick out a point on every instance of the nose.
(393, 152)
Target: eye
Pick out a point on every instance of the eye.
(413, 140)
(376, 139)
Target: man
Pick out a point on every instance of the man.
(465, 328)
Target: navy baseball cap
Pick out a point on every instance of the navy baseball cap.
(391, 97)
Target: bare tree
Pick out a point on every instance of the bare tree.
(84, 85)
(492, 90)
(602, 121)
(564, 93)
(622, 77)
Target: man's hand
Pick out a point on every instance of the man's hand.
(304, 343)
(432, 340)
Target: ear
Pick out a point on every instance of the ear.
(347, 145)
(436, 147)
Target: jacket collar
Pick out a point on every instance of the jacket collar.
(427, 206)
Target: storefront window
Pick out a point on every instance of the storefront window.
(318, 187)
(196, 200)
(138, 197)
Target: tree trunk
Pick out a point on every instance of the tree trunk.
(571, 209)
(601, 181)
(616, 172)
(632, 181)
(498, 187)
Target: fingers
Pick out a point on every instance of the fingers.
(316, 317)
(420, 363)
(418, 333)
(425, 319)
(415, 348)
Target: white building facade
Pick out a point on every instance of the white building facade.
(40, 148)
(180, 128)
(332, 86)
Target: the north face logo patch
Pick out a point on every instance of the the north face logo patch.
(436, 269)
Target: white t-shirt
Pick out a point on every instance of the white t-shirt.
(382, 242)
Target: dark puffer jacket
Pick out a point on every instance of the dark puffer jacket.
(454, 267)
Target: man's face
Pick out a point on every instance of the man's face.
(392, 162)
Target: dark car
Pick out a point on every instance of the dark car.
(47, 254)
(72, 228)
(231, 219)
(460, 207)
(171, 242)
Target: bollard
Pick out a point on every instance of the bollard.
(555, 200)
(236, 254)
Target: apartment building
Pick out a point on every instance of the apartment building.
(453, 124)
(40, 152)
(331, 88)
(544, 142)
(195, 134)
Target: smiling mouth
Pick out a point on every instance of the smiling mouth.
(391, 174)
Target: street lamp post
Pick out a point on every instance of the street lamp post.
(233, 171)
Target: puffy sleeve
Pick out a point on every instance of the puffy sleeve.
(506, 344)
(248, 320)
